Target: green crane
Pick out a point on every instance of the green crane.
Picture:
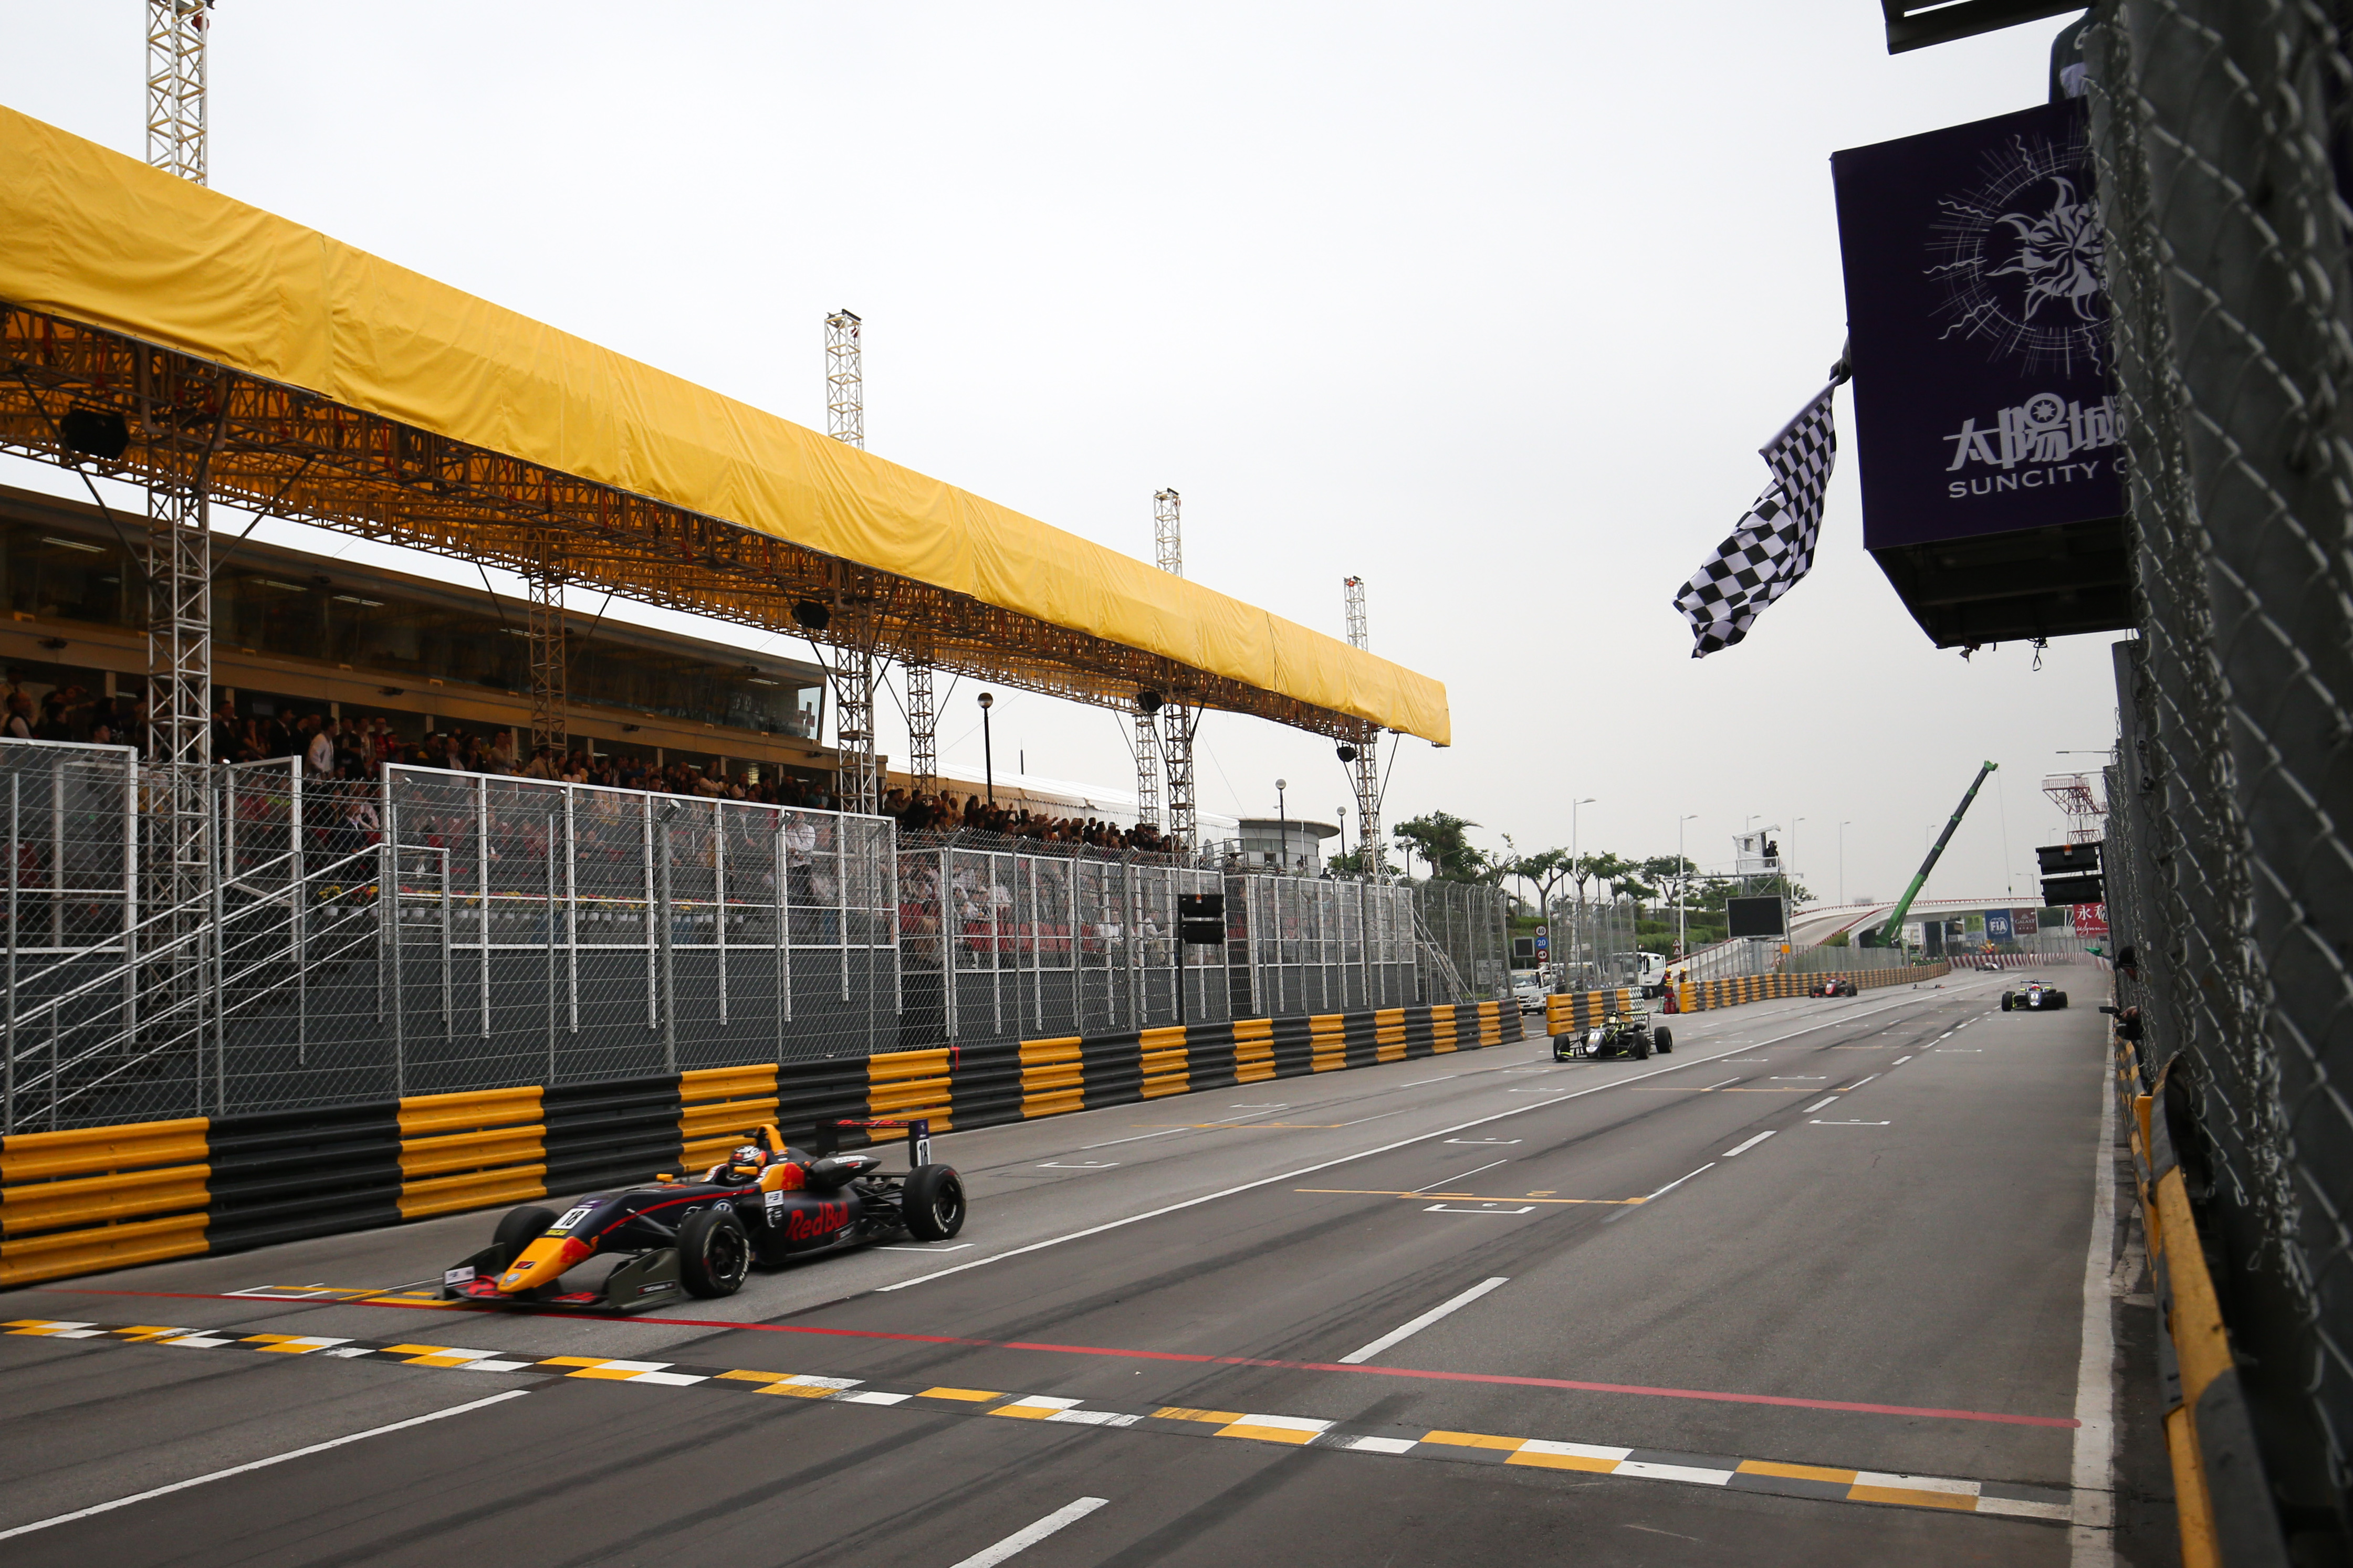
(1892, 932)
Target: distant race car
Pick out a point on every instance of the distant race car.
(1832, 986)
(1620, 1033)
(2035, 997)
(765, 1202)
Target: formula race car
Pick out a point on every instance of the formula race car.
(765, 1202)
(2037, 997)
(1832, 986)
(1620, 1033)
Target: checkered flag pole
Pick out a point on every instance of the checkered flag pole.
(1773, 546)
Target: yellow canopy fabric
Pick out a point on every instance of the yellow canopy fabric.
(91, 236)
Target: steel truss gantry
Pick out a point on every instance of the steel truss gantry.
(1168, 744)
(290, 454)
(923, 726)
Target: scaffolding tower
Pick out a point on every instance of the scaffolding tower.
(922, 728)
(175, 87)
(858, 780)
(1363, 754)
(1164, 742)
(549, 699)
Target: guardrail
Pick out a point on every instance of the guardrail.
(92, 1199)
(2221, 1494)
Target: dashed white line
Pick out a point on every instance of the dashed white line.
(1408, 1331)
(1705, 1089)
(1023, 1539)
(1416, 1083)
(261, 1464)
(1751, 1143)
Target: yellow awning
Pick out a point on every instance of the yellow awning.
(90, 237)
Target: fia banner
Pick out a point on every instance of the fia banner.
(1997, 926)
(1980, 329)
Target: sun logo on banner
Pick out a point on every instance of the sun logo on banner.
(2058, 254)
(2020, 257)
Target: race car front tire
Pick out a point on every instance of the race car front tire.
(517, 1230)
(2004, 1001)
(932, 1203)
(1663, 1042)
(2059, 999)
(714, 1252)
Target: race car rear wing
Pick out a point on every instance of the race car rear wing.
(919, 1134)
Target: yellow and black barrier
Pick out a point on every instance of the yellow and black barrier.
(2220, 1496)
(1574, 1012)
(85, 1201)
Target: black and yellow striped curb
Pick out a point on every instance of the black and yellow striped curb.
(100, 1198)
(2221, 1495)
(1820, 1482)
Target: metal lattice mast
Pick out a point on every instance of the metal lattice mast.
(176, 86)
(1167, 532)
(550, 722)
(923, 728)
(845, 381)
(858, 786)
(1366, 763)
(1168, 746)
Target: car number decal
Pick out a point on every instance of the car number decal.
(571, 1217)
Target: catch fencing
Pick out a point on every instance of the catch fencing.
(1593, 944)
(435, 932)
(1465, 938)
(2221, 132)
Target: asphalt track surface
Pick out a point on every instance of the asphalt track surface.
(1887, 1277)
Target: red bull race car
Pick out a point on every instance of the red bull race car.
(2035, 998)
(765, 1202)
(1832, 986)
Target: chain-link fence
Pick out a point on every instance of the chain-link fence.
(435, 931)
(1593, 944)
(1004, 937)
(1305, 944)
(2221, 130)
(1466, 941)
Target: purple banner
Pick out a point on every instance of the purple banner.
(1980, 329)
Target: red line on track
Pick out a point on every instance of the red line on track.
(1502, 1379)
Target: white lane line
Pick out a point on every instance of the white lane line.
(259, 1464)
(1082, 1165)
(1858, 1083)
(959, 1247)
(1448, 1181)
(1482, 1139)
(1738, 1148)
(1899, 1061)
(1416, 1083)
(1023, 1539)
(2090, 1535)
(1817, 1122)
(1139, 1138)
(1719, 1085)
(1678, 1181)
(1827, 1099)
(1408, 1331)
(1380, 1149)
(1489, 1209)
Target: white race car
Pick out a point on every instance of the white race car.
(2037, 997)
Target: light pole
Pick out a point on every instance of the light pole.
(1683, 888)
(1576, 875)
(1343, 831)
(1843, 827)
(1282, 825)
(987, 755)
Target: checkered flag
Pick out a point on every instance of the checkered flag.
(1773, 546)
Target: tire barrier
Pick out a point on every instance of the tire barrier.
(101, 1198)
(2224, 1503)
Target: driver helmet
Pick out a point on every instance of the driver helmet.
(750, 1154)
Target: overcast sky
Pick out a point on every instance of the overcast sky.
(1492, 304)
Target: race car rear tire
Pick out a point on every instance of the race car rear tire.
(517, 1230)
(714, 1253)
(2059, 999)
(932, 1203)
(1663, 1041)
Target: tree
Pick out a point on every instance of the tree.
(1438, 835)
(1544, 871)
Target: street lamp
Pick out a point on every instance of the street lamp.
(1683, 888)
(1577, 932)
(1282, 825)
(1843, 827)
(988, 756)
(1343, 831)
(1574, 860)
